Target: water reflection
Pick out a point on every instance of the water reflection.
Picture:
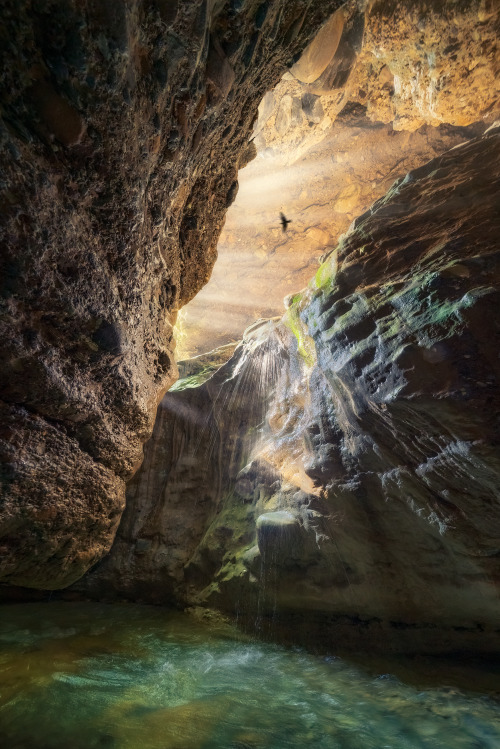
(89, 675)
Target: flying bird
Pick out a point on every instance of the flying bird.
(284, 221)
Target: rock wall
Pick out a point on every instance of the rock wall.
(410, 64)
(122, 129)
(258, 265)
(383, 88)
(202, 437)
(342, 468)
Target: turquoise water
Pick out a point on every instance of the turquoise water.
(134, 677)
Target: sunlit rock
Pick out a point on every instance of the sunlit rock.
(408, 65)
(395, 86)
(320, 51)
(441, 57)
(344, 469)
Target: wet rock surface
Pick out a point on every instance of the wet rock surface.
(364, 426)
(122, 130)
(200, 442)
(383, 88)
(258, 264)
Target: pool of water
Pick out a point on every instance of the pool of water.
(135, 677)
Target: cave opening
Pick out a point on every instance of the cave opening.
(308, 551)
(324, 147)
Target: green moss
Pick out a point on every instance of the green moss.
(420, 310)
(305, 344)
(194, 372)
(234, 523)
(193, 381)
(326, 273)
(230, 535)
(233, 568)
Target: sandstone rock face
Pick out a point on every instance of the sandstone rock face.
(447, 72)
(122, 129)
(342, 467)
(382, 89)
(258, 265)
(411, 65)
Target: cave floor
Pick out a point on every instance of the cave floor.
(127, 676)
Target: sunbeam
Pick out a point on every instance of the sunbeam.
(333, 178)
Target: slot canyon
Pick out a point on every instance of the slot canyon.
(250, 465)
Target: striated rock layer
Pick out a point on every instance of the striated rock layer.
(343, 466)
(122, 129)
(382, 88)
(258, 265)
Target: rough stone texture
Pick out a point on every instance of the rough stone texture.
(342, 467)
(258, 265)
(201, 440)
(383, 88)
(122, 128)
(448, 72)
(412, 64)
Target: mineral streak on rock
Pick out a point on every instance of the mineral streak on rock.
(122, 130)
(448, 73)
(342, 467)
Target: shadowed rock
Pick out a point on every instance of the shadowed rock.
(121, 133)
